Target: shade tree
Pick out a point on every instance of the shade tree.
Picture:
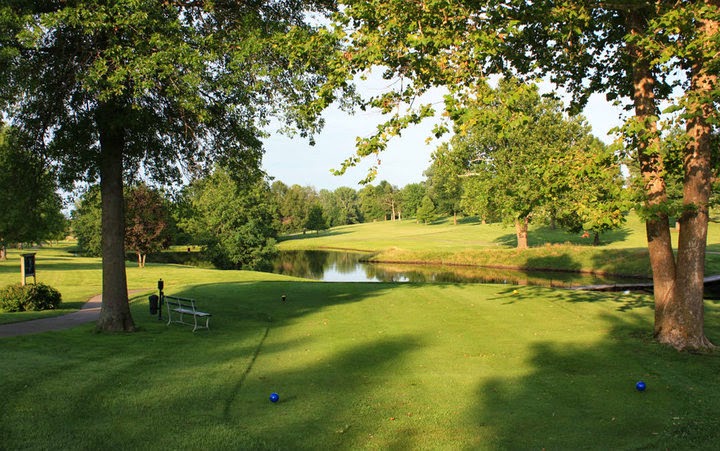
(444, 180)
(411, 196)
(108, 90)
(316, 219)
(638, 53)
(340, 207)
(347, 204)
(426, 211)
(150, 225)
(378, 202)
(521, 151)
(598, 199)
(294, 204)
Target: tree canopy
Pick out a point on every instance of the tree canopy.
(31, 207)
(109, 90)
(235, 222)
(316, 219)
(527, 160)
(147, 225)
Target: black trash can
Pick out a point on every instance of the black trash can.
(154, 303)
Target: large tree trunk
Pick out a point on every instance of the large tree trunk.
(678, 288)
(521, 231)
(115, 312)
(3, 252)
(683, 321)
(657, 226)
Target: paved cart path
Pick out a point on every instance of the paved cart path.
(90, 311)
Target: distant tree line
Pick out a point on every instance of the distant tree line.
(298, 206)
(237, 222)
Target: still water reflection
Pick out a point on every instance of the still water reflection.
(347, 267)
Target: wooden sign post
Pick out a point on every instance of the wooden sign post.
(27, 267)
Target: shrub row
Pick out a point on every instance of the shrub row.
(19, 298)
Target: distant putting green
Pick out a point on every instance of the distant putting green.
(363, 366)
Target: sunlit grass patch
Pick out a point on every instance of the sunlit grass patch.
(363, 366)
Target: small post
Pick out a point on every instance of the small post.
(283, 297)
(27, 267)
(161, 286)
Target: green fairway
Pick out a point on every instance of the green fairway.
(356, 365)
(360, 366)
(468, 233)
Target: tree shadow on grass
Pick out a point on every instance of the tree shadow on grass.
(327, 403)
(543, 235)
(583, 396)
(616, 261)
(226, 374)
(169, 388)
(311, 234)
(53, 264)
(623, 301)
(6, 269)
(628, 263)
(565, 261)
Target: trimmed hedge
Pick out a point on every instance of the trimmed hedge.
(31, 297)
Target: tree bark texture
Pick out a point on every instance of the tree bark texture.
(521, 231)
(678, 287)
(115, 312)
(683, 321)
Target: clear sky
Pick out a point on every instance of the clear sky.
(294, 161)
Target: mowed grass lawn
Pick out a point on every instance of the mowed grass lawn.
(358, 366)
(622, 251)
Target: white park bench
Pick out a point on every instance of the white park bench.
(181, 308)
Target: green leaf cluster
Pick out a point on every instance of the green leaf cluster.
(148, 224)
(236, 223)
(31, 207)
(183, 84)
(519, 158)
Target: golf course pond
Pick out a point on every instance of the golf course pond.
(332, 266)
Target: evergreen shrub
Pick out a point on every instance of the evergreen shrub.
(31, 297)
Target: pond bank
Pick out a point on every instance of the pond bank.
(614, 263)
(335, 266)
